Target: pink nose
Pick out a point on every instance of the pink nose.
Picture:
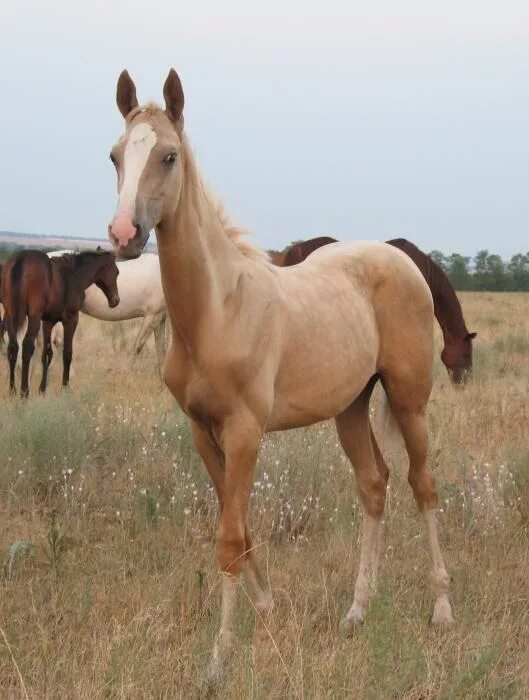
(122, 229)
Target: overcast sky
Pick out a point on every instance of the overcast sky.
(358, 120)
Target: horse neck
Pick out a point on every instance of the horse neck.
(447, 307)
(197, 259)
(84, 275)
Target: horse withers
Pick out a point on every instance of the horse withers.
(457, 351)
(51, 291)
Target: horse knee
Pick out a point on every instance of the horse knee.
(12, 349)
(422, 482)
(231, 550)
(28, 347)
(372, 488)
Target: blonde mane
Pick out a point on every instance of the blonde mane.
(234, 233)
(237, 234)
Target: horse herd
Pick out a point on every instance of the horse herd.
(60, 293)
(255, 346)
(141, 296)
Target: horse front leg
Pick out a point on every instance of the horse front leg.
(214, 460)
(47, 353)
(70, 324)
(28, 347)
(239, 445)
(12, 352)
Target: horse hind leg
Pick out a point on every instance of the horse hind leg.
(408, 400)
(357, 440)
(69, 325)
(146, 328)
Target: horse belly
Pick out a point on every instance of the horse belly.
(319, 392)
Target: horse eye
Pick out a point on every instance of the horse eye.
(112, 158)
(170, 159)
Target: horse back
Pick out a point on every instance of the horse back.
(26, 284)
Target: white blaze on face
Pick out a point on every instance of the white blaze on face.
(142, 139)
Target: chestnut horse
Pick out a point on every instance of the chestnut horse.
(457, 352)
(50, 291)
(257, 348)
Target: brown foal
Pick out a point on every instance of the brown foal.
(50, 290)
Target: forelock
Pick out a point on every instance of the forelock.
(151, 114)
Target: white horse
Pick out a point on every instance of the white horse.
(141, 296)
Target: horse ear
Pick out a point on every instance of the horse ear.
(174, 96)
(126, 94)
(470, 336)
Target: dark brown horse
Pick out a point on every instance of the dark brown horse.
(2, 324)
(50, 290)
(457, 352)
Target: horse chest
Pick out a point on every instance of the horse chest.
(194, 391)
(203, 404)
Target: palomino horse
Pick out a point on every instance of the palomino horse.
(141, 296)
(51, 291)
(457, 352)
(258, 348)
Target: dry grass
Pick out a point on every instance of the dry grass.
(109, 583)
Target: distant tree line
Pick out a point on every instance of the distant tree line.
(6, 249)
(485, 272)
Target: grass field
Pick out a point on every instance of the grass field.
(109, 586)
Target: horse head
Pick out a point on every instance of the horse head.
(148, 162)
(457, 357)
(107, 277)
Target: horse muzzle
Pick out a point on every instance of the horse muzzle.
(127, 245)
(459, 376)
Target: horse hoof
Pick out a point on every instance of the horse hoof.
(214, 674)
(442, 614)
(350, 624)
